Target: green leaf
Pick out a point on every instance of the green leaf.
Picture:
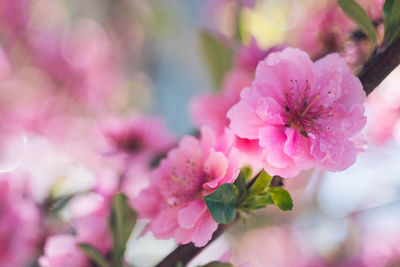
(358, 15)
(217, 55)
(94, 254)
(217, 264)
(122, 220)
(258, 201)
(222, 203)
(240, 183)
(281, 198)
(262, 182)
(394, 36)
(391, 18)
(247, 171)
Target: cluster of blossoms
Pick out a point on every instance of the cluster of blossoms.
(89, 219)
(58, 77)
(20, 232)
(295, 113)
(174, 201)
(210, 109)
(277, 110)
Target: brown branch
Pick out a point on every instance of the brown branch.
(375, 70)
(379, 66)
(185, 253)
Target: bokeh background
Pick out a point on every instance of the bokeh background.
(70, 69)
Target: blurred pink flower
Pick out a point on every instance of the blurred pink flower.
(61, 251)
(273, 247)
(383, 109)
(79, 59)
(136, 178)
(90, 220)
(382, 119)
(373, 8)
(380, 248)
(5, 66)
(174, 201)
(19, 223)
(107, 182)
(249, 55)
(303, 114)
(220, 16)
(140, 138)
(14, 15)
(325, 32)
(226, 258)
(210, 109)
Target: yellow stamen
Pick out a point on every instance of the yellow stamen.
(309, 105)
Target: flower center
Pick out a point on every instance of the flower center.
(132, 143)
(185, 184)
(302, 109)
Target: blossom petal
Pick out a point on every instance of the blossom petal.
(279, 69)
(328, 78)
(188, 216)
(204, 232)
(298, 148)
(215, 165)
(269, 111)
(271, 135)
(166, 221)
(244, 121)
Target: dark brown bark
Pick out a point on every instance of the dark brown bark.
(185, 253)
(379, 66)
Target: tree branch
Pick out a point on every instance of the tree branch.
(380, 65)
(185, 253)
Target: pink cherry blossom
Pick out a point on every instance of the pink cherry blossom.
(19, 222)
(139, 138)
(174, 201)
(303, 114)
(61, 251)
(79, 58)
(210, 109)
(136, 178)
(325, 31)
(90, 220)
